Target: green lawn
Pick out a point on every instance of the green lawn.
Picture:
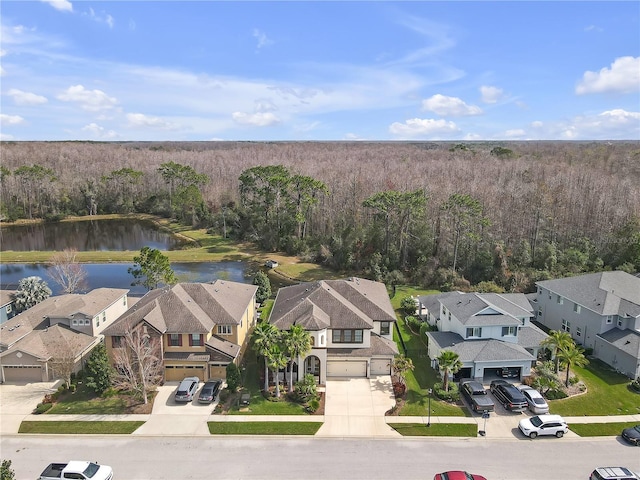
(607, 394)
(85, 401)
(73, 427)
(436, 429)
(423, 376)
(600, 429)
(264, 428)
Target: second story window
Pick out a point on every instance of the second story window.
(609, 318)
(559, 300)
(175, 340)
(195, 340)
(384, 328)
(224, 329)
(576, 308)
(347, 336)
(509, 331)
(566, 326)
(116, 342)
(474, 332)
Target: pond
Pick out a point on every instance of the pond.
(115, 275)
(88, 235)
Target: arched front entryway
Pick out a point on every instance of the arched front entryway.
(312, 366)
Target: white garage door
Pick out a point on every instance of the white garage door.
(22, 373)
(343, 368)
(380, 366)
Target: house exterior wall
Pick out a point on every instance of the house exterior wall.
(7, 311)
(616, 358)
(18, 359)
(94, 325)
(583, 326)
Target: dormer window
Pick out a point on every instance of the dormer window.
(474, 332)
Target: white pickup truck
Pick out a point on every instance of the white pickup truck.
(77, 469)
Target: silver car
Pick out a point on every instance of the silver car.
(537, 403)
(187, 389)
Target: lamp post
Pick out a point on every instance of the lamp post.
(429, 421)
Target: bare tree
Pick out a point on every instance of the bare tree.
(63, 363)
(67, 272)
(138, 362)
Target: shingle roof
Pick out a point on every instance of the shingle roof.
(188, 308)
(606, 293)
(53, 341)
(489, 350)
(626, 340)
(350, 303)
(379, 346)
(530, 336)
(6, 297)
(483, 309)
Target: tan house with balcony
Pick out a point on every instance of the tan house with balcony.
(203, 326)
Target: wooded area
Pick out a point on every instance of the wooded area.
(432, 213)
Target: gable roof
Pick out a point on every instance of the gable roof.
(50, 342)
(349, 303)
(482, 309)
(188, 308)
(6, 297)
(626, 340)
(606, 293)
(489, 350)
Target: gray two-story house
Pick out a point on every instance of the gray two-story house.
(600, 311)
(488, 331)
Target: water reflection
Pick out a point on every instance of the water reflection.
(115, 275)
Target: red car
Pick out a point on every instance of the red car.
(457, 475)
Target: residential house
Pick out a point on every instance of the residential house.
(488, 331)
(7, 305)
(63, 326)
(203, 326)
(350, 322)
(601, 311)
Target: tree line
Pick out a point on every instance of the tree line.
(498, 216)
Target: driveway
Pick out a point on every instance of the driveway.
(355, 407)
(17, 400)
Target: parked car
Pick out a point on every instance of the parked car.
(271, 264)
(80, 469)
(509, 372)
(543, 425)
(209, 391)
(477, 397)
(458, 475)
(509, 396)
(537, 403)
(613, 473)
(632, 435)
(187, 389)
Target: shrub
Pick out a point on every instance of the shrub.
(453, 395)
(556, 394)
(110, 392)
(313, 404)
(306, 388)
(42, 407)
(635, 385)
(573, 380)
(413, 323)
(233, 377)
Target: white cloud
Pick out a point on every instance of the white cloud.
(90, 100)
(615, 124)
(98, 131)
(62, 5)
(258, 119)
(263, 41)
(593, 28)
(537, 124)
(26, 98)
(491, 94)
(622, 77)
(421, 127)
(101, 17)
(142, 120)
(10, 119)
(515, 133)
(449, 106)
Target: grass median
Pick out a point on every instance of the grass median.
(71, 427)
(436, 429)
(264, 428)
(600, 429)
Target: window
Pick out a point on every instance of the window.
(124, 301)
(578, 332)
(559, 300)
(313, 341)
(509, 331)
(97, 321)
(449, 316)
(175, 340)
(620, 322)
(576, 308)
(566, 326)
(609, 319)
(8, 308)
(347, 336)
(195, 340)
(224, 329)
(116, 342)
(474, 332)
(384, 328)
(540, 311)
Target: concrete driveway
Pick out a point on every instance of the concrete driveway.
(355, 407)
(17, 400)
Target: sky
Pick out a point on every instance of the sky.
(319, 70)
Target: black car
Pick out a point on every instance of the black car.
(209, 391)
(509, 396)
(477, 396)
(632, 435)
(509, 372)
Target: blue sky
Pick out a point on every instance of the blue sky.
(204, 70)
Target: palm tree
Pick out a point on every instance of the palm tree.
(276, 359)
(297, 343)
(31, 291)
(557, 340)
(449, 362)
(265, 336)
(572, 356)
(401, 365)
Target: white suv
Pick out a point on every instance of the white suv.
(543, 425)
(613, 473)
